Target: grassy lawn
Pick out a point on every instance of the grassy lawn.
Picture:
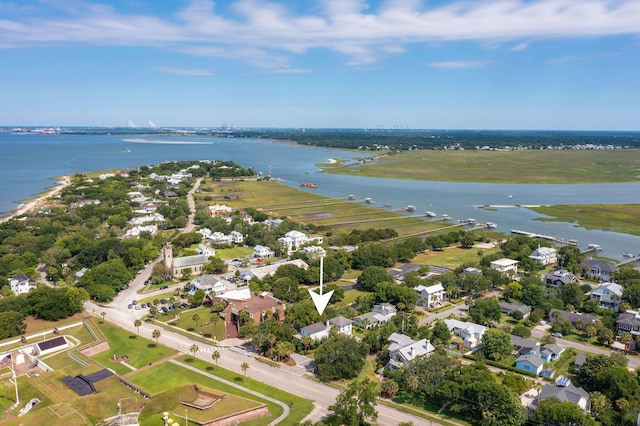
(140, 351)
(61, 406)
(175, 377)
(233, 252)
(351, 295)
(621, 218)
(503, 166)
(451, 257)
(211, 330)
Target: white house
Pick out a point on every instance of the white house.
(317, 331)
(403, 349)
(608, 295)
(544, 255)
(470, 332)
(205, 250)
(342, 324)
(236, 237)
(208, 283)
(141, 220)
(139, 229)
(506, 266)
(262, 251)
(21, 284)
(434, 296)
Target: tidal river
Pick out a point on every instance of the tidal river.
(30, 163)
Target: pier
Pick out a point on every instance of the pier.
(546, 237)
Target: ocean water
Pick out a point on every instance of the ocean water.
(30, 163)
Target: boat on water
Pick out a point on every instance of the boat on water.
(351, 197)
(628, 254)
(445, 217)
(429, 214)
(386, 205)
(470, 221)
(491, 225)
(595, 247)
(409, 208)
(369, 200)
(127, 150)
(308, 185)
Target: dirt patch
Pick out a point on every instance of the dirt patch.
(95, 349)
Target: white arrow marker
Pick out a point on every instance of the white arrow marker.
(320, 300)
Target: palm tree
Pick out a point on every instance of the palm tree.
(244, 366)
(194, 349)
(215, 355)
(103, 314)
(214, 319)
(137, 323)
(196, 318)
(156, 335)
(412, 384)
(626, 339)
(307, 342)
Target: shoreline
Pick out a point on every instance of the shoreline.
(39, 201)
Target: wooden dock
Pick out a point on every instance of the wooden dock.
(546, 237)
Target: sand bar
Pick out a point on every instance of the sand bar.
(159, 142)
(36, 203)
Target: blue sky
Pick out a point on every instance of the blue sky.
(475, 64)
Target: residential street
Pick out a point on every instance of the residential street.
(541, 330)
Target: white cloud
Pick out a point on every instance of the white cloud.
(184, 71)
(254, 30)
(458, 65)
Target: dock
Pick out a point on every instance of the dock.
(546, 237)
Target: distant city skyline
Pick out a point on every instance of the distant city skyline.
(420, 64)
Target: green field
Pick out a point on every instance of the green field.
(140, 351)
(621, 218)
(504, 166)
(452, 257)
(278, 200)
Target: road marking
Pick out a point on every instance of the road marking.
(310, 388)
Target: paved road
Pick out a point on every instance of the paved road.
(540, 331)
(291, 379)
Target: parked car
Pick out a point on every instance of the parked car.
(164, 287)
(559, 335)
(130, 306)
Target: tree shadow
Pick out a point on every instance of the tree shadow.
(133, 337)
(152, 345)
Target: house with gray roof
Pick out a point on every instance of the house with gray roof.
(550, 352)
(525, 346)
(317, 331)
(530, 363)
(342, 324)
(560, 277)
(544, 255)
(564, 391)
(21, 284)
(608, 295)
(572, 317)
(403, 350)
(370, 319)
(579, 362)
(509, 308)
(629, 322)
(597, 269)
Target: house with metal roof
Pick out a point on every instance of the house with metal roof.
(608, 295)
(564, 391)
(544, 255)
(560, 277)
(403, 350)
(598, 269)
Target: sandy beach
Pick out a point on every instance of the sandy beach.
(36, 203)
